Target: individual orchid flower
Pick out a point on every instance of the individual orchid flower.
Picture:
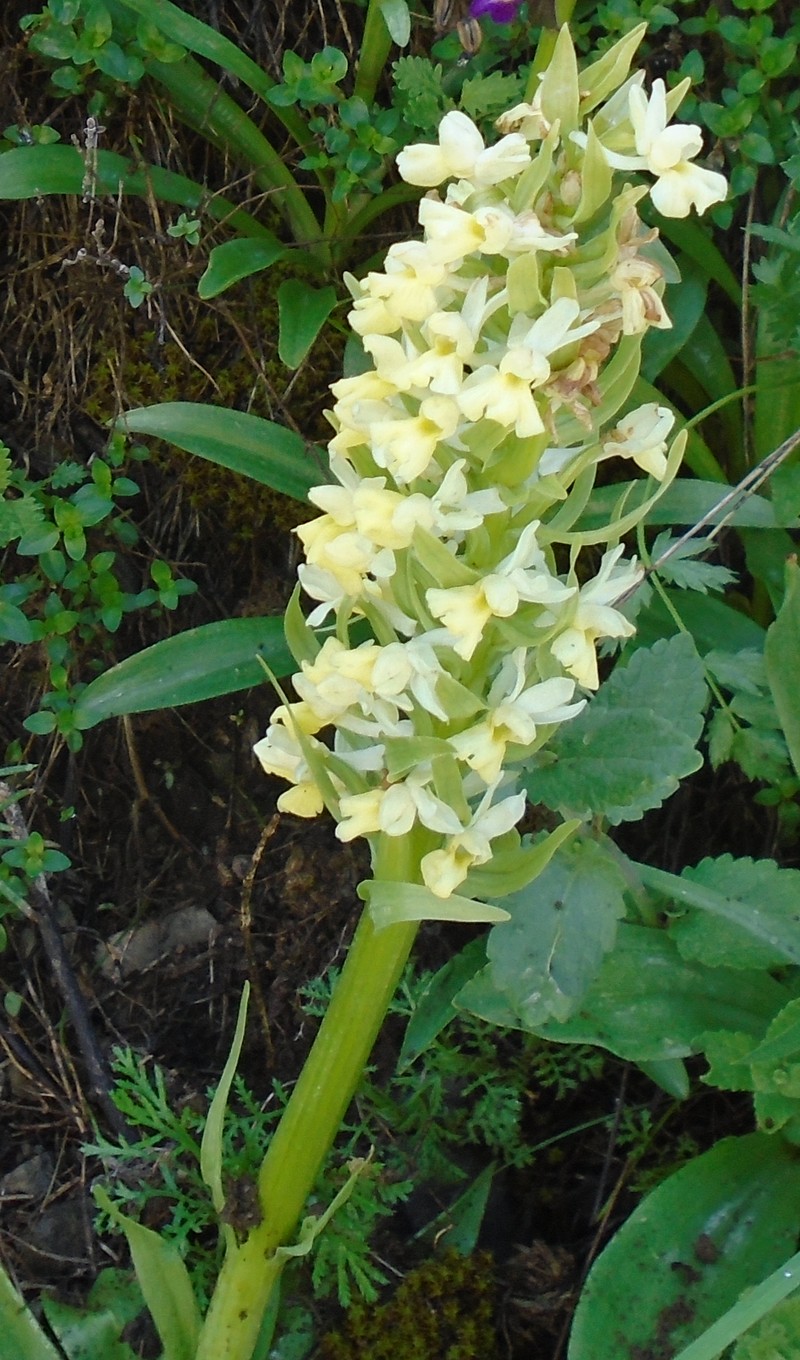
(642, 436)
(462, 152)
(394, 809)
(514, 714)
(445, 869)
(592, 616)
(667, 151)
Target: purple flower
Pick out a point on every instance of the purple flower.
(501, 11)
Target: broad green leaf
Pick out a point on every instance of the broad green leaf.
(86, 1334)
(776, 1061)
(216, 658)
(686, 501)
(766, 892)
(782, 657)
(480, 997)
(434, 1008)
(713, 624)
(735, 901)
(269, 453)
(235, 260)
(561, 927)
(630, 748)
(164, 1282)
(302, 312)
(766, 556)
(648, 1004)
(22, 1336)
(397, 18)
(695, 1245)
(391, 903)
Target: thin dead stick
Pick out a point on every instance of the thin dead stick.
(41, 911)
(730, 503)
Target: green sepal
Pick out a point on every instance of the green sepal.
(513, 867)
(391, 903)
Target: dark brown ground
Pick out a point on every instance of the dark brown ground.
(169, 807)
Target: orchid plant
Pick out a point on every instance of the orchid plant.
(458, 595)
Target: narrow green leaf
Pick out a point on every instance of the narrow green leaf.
(211, 1145)
(697, 1243)
(247, 444)
(434, 1008)
(762, 1302)
(235, 260)
(629, 749)
(29, 171)
(302, 312)
(547, 955)
(685, 303)
(217, 658)
(22, 1336)
(782, 658)
(164, 1282)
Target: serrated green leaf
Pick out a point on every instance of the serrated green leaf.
(682, 570)
(782, 657)
(544, 958)
(217, 658)
(757, 884)
(647, 1003)
(629, 749)
(777, 929)
(775, 1063)
(235, 260)
(86, 1334)
(484, 95)
(697, 1243)
(302, 312)
(257, 448)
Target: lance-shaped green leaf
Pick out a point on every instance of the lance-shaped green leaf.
(782, 656)
(247, 444)
(629, 749)
(211, 1147)
(235, 260)
(766, 893)
(434, 1008)
(302, 312)
(30, 171)
(561, 927)
(202, 663)
(164, 1282)
(697, 1243)
(22, 1335)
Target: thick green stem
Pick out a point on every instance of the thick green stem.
(310, 1123)
(203, 105)
(376, 45)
